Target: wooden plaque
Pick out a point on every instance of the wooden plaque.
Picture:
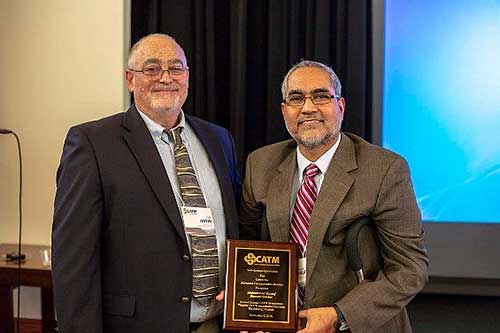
(261, 286)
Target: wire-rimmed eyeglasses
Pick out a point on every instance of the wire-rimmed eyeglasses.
(156, 71)
(316, 99)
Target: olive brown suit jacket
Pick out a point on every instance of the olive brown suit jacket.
(361, 180)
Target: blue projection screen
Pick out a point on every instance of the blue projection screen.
(441, 104)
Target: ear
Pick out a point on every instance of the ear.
(283, 108)
(341, 104)
(130, 80)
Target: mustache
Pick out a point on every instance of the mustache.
(303, 119)
(160, 87)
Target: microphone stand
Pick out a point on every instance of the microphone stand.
(18, 257)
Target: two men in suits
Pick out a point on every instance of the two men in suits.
(311, 189)
(122, 258)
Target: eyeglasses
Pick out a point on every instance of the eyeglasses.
(157, 72)
(317, 99)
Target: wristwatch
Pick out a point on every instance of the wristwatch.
(341, 322)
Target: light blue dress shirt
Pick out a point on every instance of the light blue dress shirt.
(211, 191)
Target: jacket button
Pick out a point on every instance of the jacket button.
(186, 257)
(185, 299)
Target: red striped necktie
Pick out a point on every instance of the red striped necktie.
(301, 216)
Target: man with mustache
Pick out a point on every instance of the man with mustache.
(145, 201)
(309, 190)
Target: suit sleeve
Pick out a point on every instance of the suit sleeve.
(76, 233)
(372, 303)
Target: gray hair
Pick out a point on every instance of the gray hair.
(137, 45)
(334, 79)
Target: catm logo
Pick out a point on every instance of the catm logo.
(252, 259)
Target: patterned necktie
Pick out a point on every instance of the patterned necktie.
(301, 216)
(204, 247)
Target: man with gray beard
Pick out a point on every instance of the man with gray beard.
(309, 190)
(145, 202)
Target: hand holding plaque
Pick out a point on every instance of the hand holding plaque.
(261, 285)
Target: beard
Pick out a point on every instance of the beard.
(312, 141)
(151, 99)
(315, 141)
(161, 106)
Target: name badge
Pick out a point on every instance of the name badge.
(302, 272)
(198, 219)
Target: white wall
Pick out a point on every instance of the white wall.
(61, 63)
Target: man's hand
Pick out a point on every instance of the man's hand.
(319, 320)
(220, 296)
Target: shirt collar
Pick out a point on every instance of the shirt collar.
(322, 163)
(156, 129)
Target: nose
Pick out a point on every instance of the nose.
(309, 106)
(165, 76)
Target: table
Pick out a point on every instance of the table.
(33, 274)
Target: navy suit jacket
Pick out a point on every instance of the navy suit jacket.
(120, 260)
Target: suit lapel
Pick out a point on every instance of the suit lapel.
(335, 187)
(140, 142)
(278, 205)
(214, 151)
